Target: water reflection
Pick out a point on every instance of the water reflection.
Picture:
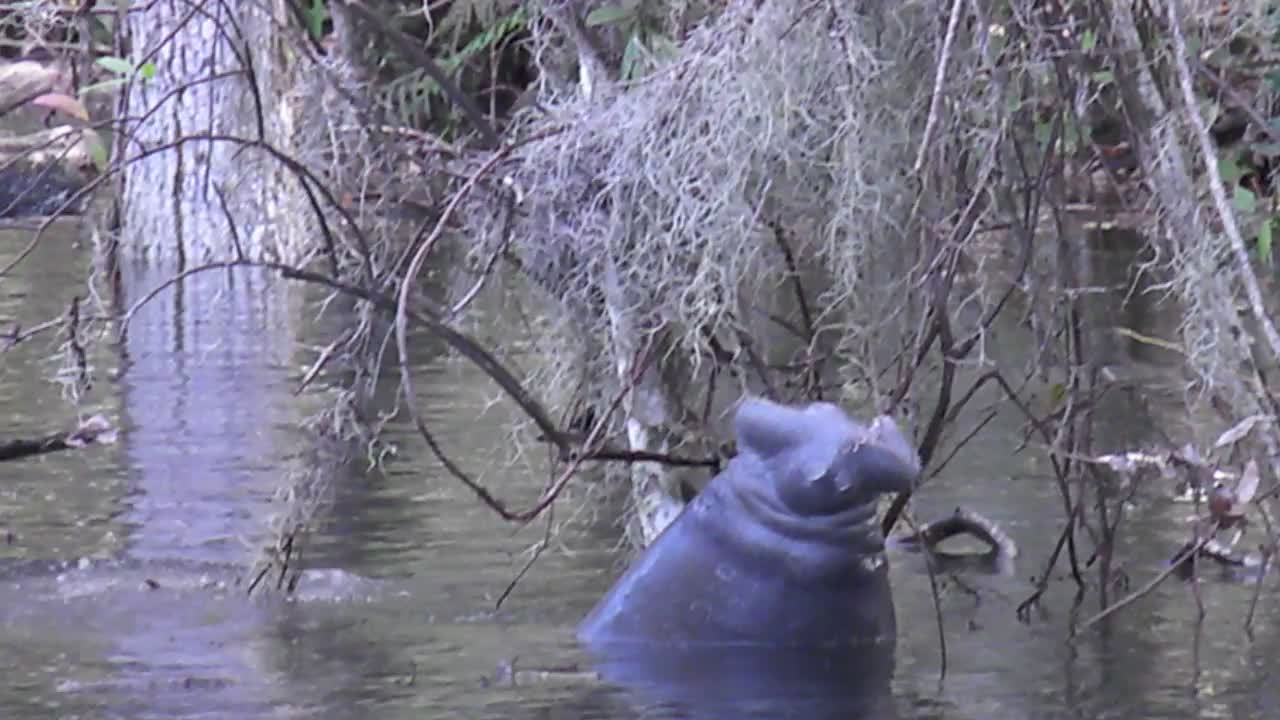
(207, 412)
(739, 682)
(207, 406)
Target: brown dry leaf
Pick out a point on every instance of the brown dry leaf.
(62, 103)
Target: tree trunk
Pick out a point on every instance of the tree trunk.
(198, 184)
(652, 410)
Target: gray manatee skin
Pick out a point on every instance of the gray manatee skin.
(781, 549)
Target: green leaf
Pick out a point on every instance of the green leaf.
(98, 152)
(489, 38)
(1246, 202)
(1269, 149)
(147, 71)
(1104, 77)
(315, 16)
(1230, 170)
(1057, 393)
(609, 15)
(631, 58)
(1088, 40)
(1043, 132)
(1264, 241)
(119, 66)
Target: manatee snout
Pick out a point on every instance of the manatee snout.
(886, 462)
(824, 462)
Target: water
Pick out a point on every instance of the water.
(119, 595)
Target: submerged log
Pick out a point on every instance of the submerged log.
(94, 431)
(41, 168)
(38, 190)
(42, 171)
(62, 145)
(1001, 549)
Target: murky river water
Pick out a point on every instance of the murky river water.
(397, 619)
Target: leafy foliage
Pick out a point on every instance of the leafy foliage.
(468, 41)
(315, 16)
(646, 42)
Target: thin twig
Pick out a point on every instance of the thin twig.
(594, 438)
(939, 78)
(542, 545)
(1145, 589)
(937, 603)
(1023, 611)
(1267, 551)
(321, 361)
(402, 330)
(797, 286)
(17, 334)
(498, 252)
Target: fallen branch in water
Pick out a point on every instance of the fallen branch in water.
(961, 522)
(94, 431)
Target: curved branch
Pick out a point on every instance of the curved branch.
(570, 445)
(962, 522)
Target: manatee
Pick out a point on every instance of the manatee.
(780, 550)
